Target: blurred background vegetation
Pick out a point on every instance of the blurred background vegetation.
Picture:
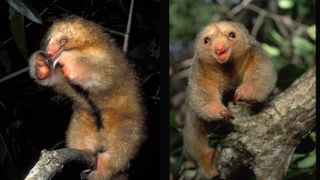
(33, 117)
(286, 31)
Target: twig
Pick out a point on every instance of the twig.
(126, 37)
(12, 75)
(114, 32)
(61, 8)
(149, 77)
(257, 25)
(238, 8)
(280, 21)
(180, 75)
(281, 28)
(284, 19)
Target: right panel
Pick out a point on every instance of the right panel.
(242, 89)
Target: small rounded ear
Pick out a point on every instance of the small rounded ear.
(63, 41)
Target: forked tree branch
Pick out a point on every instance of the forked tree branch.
(52, 162)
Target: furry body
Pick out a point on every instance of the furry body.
(226, 58)
(108, 117)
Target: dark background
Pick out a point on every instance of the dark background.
(33, 117)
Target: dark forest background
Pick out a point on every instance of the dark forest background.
(33, 117)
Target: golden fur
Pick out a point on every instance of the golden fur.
(226, 58)
(89, 58)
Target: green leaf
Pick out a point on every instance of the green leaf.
(24, 8)
(312, 31)
(271, 50)
(276, 37)
(288, 74)
(285, 4)
(302, 46)
(296, 156)
(308, 162)
(313, 136)
(283, 44)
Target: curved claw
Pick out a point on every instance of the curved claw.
(226, 114)
(46, 58)
(236, 98)
(49, 61)
(84, 174)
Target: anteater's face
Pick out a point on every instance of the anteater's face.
(68, 34)
(221, 41)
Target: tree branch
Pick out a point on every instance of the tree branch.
(52, 162)
(265, 138)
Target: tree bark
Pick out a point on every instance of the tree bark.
(52, 162)
(265, 137)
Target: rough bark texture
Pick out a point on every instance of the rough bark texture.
(52, 162)
(265, 138)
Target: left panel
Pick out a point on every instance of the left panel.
(80, 75)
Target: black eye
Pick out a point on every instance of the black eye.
(232, 35)
(206, 40)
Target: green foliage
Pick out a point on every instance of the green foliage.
(286, 4)
(302, 46)
(312, 32)
(187, 17)
(271, 50)
(308, 162)
(282, 44)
